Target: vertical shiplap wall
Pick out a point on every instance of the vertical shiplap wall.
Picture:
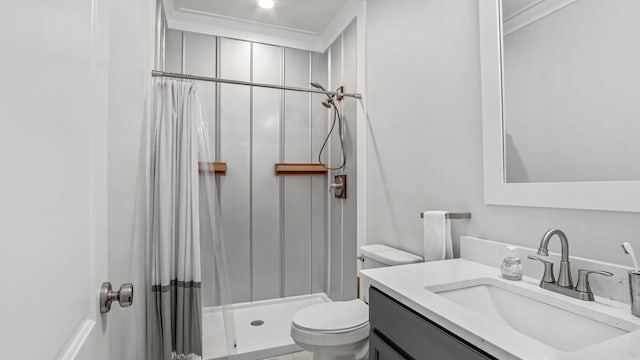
(234, 141)
(266, 254)
(297, 189)
(335, 205)
(319, 184)
(349, 210)
(343, 238)
(274, 227)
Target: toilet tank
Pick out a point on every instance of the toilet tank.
(375, 256)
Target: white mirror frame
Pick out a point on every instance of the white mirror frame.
(605, 195)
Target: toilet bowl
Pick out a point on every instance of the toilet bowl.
(334, 330)
(340, 330)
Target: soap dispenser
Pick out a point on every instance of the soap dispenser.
(511, 267)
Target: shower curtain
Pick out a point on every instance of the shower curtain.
(177, 142)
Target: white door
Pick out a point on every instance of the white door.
(53, 123)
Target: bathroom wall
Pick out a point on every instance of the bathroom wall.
(424, 138)
(343, 241)
(274, 228)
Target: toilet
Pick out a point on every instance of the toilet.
(340, 330)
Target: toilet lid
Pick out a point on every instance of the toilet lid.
(333, 316)
(388, 255)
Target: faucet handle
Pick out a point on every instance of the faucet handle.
(548, 276)
(583, 279)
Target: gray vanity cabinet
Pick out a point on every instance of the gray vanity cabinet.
(381, 350)
(398, 332)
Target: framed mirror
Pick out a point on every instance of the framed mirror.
(560, 88)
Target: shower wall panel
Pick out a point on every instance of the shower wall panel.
(343, 219)
(200, 59)
(173, 56)
(235, 148)
(349, 211)
(297, 189)
(335, 205)
(319, 184)
(265, 217)
(274, 227)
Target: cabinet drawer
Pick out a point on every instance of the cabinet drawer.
(416, 335)
(381, 350)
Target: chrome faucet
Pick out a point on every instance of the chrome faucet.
(564, 277)
(564, 284)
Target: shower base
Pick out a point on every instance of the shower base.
(267, 337)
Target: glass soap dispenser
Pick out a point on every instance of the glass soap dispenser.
(511, 267)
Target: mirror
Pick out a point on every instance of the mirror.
(571, 79)
(560, 84)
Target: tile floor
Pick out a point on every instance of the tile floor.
(302, 355)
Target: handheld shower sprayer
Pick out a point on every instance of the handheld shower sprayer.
(329, 103)
(318, 86)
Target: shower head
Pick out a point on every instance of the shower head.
(327, 103)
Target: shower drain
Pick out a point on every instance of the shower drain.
(257, 323)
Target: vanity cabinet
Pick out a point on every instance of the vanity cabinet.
(398, 332)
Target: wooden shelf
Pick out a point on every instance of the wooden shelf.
(300, 169)
(217, 168)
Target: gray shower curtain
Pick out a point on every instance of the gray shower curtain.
(174, 315)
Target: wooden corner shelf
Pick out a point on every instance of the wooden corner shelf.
(218, 168)
(284, 169)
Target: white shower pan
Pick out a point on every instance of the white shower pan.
(269, 339)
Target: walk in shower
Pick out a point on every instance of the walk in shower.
(289, 243)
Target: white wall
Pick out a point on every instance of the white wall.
(424, 138)
(131, 57)
(571, 88)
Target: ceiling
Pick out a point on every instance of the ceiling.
(511, 7)
(306, 16)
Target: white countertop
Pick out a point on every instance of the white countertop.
(407, 284)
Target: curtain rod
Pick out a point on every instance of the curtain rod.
(156, 73)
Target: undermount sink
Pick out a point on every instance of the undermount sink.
(560, 324)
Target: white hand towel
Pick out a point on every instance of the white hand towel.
(437, 236)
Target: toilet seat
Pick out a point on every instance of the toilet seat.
(340, 331)
(331, 324)
(315, 338)
(333, 317)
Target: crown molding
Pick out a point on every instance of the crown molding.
(351, 10)
(243, 29)
(532, 13)
(246, 21)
